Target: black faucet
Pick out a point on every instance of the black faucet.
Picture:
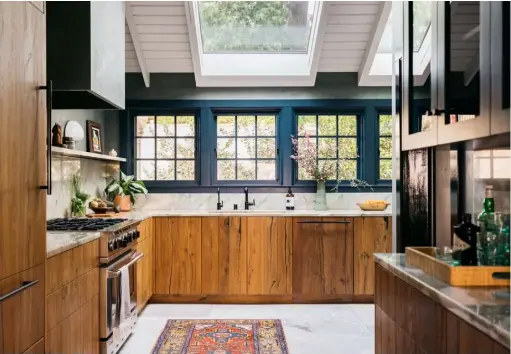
(247, 203)
(219, 204)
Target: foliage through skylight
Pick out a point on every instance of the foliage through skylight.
(255, 26)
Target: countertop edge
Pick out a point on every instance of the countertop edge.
(496, 333)
(65, 241)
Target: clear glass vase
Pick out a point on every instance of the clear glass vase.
(320, 200)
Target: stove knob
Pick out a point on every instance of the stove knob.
(111, 246)
(137, 234)
(130, 237)
(118, 244)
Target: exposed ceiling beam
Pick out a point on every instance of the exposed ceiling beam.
(471, 70)
(376, 34)
(136, 43)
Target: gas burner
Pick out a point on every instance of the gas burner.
(85, 224)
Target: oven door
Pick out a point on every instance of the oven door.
(110, 294)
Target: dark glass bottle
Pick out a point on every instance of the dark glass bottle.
(290, 200)
(467, 232)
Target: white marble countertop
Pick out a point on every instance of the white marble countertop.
(60, 241)
(313, 213)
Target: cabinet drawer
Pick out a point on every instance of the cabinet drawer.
(66, 300)
(68, 266)
(22, 314)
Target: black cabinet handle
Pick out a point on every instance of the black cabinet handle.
(49, 100)
(24, 285)
(501, 275)
(322, 222)
(438, 112)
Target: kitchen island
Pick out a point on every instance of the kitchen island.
(416, 313)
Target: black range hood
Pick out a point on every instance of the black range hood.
(85, 54)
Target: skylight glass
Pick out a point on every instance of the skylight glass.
(255, 26)
(421, 22)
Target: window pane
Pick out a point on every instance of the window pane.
(165, 126)
(266, 148)
(329, 166)
(165, 148)
(266, 170)
(145, 126)
(185, 148)
(385, 169)
(302, 174)
(385, 125)
(145, 148)
(347, 169)
(348, 125)
(327, 148)
(246, 170)
(306, 144)
(165, 170)
(327, 125)
(185, 170)
(145, 170)
(255, 26)
(246, 125)
(386, 147)
(225, 147)
(225, 126)
(225, 170)
(266, 125)
(347, 147)
(246, 148)
(185, 125)
(306, 125)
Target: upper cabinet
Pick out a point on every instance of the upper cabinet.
(85, 54)
(454, 72)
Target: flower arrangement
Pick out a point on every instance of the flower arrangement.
(305, 153)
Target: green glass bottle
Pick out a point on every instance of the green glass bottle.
(488, 204)
(486, 242)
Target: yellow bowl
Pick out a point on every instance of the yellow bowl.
(373, 206)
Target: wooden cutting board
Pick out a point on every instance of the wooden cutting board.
(107, 215)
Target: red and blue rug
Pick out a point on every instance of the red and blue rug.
(221, 337)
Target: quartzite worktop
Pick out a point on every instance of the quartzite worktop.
(417, 313)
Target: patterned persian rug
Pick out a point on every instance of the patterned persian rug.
(221, 337)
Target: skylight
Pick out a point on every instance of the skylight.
(255, 26)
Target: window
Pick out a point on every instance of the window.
(165, 148)
(336, 143)
(246, 147)
(255, 26)
(385, 146)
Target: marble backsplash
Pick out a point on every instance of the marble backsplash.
(264, 201)
(93, 173)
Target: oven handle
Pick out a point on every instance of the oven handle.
(134, 257)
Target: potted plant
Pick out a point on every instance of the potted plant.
(124, 191)
(78, 196)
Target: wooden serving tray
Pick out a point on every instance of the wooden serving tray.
(424, 258)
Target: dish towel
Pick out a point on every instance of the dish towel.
(125, 303)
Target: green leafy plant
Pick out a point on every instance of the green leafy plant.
(126, 185)
(78, 196)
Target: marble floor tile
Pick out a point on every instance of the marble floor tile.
(309, 329)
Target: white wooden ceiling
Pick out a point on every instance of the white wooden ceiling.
(163, 35)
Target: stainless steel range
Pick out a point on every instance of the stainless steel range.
(116, 250)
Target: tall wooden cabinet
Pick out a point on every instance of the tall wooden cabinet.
(22, 172)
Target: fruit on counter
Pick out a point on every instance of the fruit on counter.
(100, 203)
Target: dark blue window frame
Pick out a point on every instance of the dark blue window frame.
(379, 180)
(286, 126)
(337, 112)
(277, 158)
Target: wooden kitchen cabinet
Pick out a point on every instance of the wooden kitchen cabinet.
(269, 255)
(145, 270)
(371, 235)
(322, 258)
(72, 301)
(224, 255)
(22, 315)
(177, 255)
